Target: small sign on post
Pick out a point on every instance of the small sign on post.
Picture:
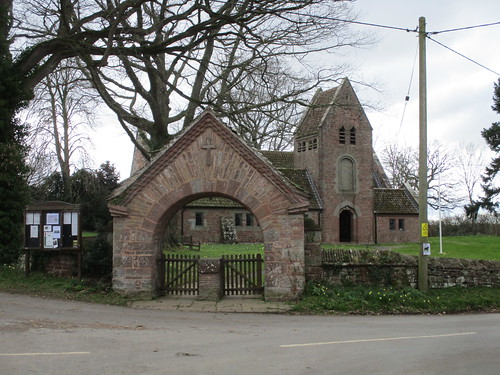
(426, 250)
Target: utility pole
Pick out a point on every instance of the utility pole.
(423, 260)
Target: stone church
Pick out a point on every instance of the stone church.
(333, 163)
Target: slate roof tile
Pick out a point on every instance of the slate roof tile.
(394, 201)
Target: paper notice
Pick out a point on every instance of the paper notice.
(48, 240)
(52, 219)
(34, 231)
(56, 231)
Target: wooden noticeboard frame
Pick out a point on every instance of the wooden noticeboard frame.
(53, 226)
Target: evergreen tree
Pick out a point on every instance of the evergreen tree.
(13, 187)
(492, 137)
(89, 188)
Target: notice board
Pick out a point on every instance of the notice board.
(52, 226)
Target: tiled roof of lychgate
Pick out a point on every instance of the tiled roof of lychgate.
(280, 159)
(394, 201)
(313, 117)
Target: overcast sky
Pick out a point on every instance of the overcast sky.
(459, 91)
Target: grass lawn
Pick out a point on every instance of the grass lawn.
(464, 247)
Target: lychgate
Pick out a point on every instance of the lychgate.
(207, 160)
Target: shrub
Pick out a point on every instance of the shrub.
(97, 258)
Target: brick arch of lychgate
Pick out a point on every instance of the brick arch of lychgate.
(140, 223)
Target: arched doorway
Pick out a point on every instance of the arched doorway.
(189, 169)
(345, 226)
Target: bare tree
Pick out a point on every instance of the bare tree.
(64, 111)
(401, 163)
(470, 165)
(40, 160)
(156, 64)
(270, 126)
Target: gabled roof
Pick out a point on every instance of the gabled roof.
(207, 120)
(394, 201)
(323, 103)
(313, 118)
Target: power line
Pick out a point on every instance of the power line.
(408, 29)
(465, 28)
(462, 55)
(374, 25)
(427, 34)
(407, 98)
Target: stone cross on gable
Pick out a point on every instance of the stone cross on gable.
(208, 146)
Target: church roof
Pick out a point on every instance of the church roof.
(301, 179)
(394, 201)
(313, 118)
(280, 159)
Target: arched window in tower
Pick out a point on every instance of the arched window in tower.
(347, 174)
(342, 135)
(313, 144)
(352, 136)
(301, 146)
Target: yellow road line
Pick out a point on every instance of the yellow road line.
(377, 340)
(40, 354)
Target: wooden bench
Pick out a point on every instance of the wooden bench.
(188, 241)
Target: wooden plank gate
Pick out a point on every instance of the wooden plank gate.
(181, 274)
(242, 274)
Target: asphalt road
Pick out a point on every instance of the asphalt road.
(41, 336)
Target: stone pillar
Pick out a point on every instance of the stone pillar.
(313, 254)
(210, 280)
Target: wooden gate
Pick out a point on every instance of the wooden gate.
(181, 274)
(242, 274)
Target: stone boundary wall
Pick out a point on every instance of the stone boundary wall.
(388, 268)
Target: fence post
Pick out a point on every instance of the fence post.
(160, 280)
(210, 280)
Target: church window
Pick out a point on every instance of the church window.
(352, 136)
(237, 219)
(198, 219)
(346, 175)
(313, 144)
(301, 146)
(342, 135)
(401, 224)
(392, 224)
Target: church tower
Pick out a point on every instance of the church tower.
(333, 142)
